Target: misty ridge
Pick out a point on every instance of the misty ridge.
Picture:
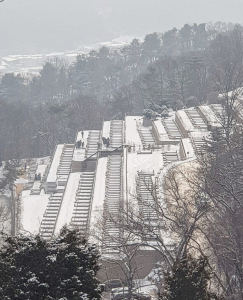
(43, 26)
(60, 25)
(165, 71)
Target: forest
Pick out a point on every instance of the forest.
(176, 69)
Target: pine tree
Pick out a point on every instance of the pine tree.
(63, 268)
(188, 280)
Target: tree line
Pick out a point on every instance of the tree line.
(176, 69)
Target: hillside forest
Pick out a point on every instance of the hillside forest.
(171, 70)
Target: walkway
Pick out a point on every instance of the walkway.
(112, 204)
(171, 128)
(170, 157)
(116, 133)
(93, 141)
(147, 202)
(83, 202)
(146, 136)
(50, 216)
(196, 119)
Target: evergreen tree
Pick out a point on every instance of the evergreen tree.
(188, 280)
(63, 268)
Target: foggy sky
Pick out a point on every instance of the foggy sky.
(55, 25)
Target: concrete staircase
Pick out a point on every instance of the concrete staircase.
(112, 204)
(196, 119)
(199, 144)
(146, 136)
(92, 143)
(64, 167)
(219, 110)
(172, 129)
(116, 133)
(170, 157)
(83, 202)
(50, 216)
(147, 202)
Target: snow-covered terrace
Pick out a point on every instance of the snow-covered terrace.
(32, 211)
(78, 154)
(210, 116)
(184, 121)
(131, 133)
(52, 176)
(66, 210)
(161, 132)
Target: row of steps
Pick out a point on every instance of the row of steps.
(65, 160)
(170, 157)
(93, 142)
(83, 202)
(219, 110)
(146, 193)
(199, 145)
(146, 136)
(196, 118)
(50, 216)
(112, 204)
(172, 129)
(116, 133)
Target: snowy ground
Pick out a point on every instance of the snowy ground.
(52, 176)
(131, 134)
(66, 211)
(32, 211)
(99, 192)
(78, 154)
(142, 162)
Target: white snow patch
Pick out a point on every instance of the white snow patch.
(131, 133)
(52, 176)
(99, 191)
(32, 210)
(142, 162)
(66, 211)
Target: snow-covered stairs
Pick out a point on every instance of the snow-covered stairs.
(219, 110)
(92, 143)
(146, 136)
(170, 157)
(199, 144)
(116, 133)
(112, 204)
(50, 216)
(146, 193)
(83, 202)
(65, 160)
(172, 129)
(196, 118)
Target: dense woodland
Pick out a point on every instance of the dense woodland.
(175, 69)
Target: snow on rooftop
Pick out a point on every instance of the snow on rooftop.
(32, 211)
(131, 133)
(52, 176)
(66, 211)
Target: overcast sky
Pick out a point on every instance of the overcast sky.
(55, 25)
